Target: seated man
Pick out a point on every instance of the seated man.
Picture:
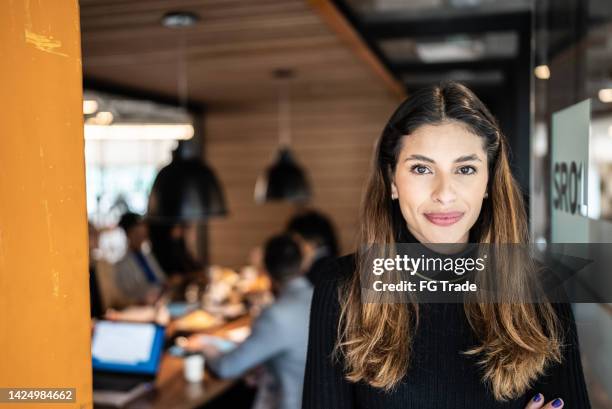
(138, 274)
(279, 335)
(315, 234)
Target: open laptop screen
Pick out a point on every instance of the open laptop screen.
(127, 347)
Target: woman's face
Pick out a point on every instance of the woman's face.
(440, 181)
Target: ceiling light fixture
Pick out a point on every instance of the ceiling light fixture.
(179, 19)
(126, 132)
(542, 72)
(284, 180)
(605, 95)
(187, 189)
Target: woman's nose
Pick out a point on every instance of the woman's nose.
(444, 191)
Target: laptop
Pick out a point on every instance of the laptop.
(125, 360)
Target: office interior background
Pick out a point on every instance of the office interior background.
(233, 85)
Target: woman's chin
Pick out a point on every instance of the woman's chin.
(444, 236)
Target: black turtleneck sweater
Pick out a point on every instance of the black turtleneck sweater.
(439, 377)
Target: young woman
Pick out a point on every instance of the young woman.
(441, 175)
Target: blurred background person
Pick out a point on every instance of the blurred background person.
(138, 274)
(176, 259)
(169, 245)
(316, 236)
(279, 335)
(103, 290)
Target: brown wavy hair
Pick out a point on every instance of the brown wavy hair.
(517, 341)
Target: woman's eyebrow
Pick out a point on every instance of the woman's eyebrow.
(420, 157)
(465, 158)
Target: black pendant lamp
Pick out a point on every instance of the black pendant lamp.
(185, 190)
(284, 180)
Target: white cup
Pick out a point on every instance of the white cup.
(193, 368)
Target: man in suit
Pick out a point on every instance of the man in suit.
(138, 275)
(279, 335)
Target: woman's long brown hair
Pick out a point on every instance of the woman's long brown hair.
(517, 341)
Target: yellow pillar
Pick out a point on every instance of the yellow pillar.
(44, 298)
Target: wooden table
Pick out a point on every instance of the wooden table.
(173, 391)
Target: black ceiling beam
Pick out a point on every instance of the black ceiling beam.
(136, 93)
(372, 43)
(395, 26)
(482, 90)
(478, 88)
(441, 67)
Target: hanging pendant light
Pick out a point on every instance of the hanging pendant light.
(284, 180)
(186, 189)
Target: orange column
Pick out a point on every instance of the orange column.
(44, 298)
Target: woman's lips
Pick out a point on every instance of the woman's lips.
(444, 219)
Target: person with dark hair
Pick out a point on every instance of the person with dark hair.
(138, 275)
(441, 174)
(317, 238)
(283, 260)
(170, 249)
(279, 334)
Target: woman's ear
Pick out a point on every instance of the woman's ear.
(394, 194)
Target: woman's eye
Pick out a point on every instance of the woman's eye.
(420, 170)
(467, 170)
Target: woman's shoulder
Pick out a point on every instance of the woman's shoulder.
(337, 271)
(334, 275)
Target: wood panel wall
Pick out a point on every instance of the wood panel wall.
(332, 138)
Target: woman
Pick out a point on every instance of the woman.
(441, 175)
